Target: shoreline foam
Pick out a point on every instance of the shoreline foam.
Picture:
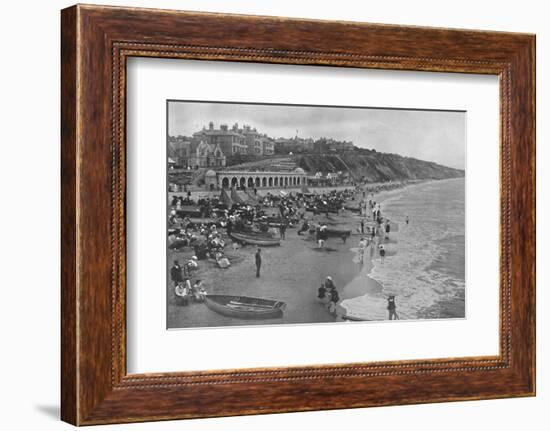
(422, 304)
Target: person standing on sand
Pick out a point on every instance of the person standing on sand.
(407, 219)
(321, 236)
(334, 298)
(361, 250)
(362, 226)
(332, 295)
(391, 308)
(282, 229)
(258, 257)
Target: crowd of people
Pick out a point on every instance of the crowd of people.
(181, 278)
(209, 234)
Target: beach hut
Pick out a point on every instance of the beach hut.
(237, 197)
(253, 199)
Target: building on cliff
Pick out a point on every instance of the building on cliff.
(205, 155)
(237, 141)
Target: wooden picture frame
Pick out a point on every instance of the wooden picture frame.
(95, 43)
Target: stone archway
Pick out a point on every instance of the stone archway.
(242, 182)
(270, 181)
(264, 182)
(258, 182)
(225, 183)
(250, 183)
(234, 182)
(276, 182)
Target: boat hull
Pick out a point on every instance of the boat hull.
(264, 242)
(338, 232)
(353, 209)
(322, 210)
(244, 307)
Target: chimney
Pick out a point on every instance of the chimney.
(211, 125)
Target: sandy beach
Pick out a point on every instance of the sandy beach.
(291, 272)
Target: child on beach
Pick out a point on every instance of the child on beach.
(322, 294)
(328, 295)
(198, 291)
(182, 292)
(361, 249)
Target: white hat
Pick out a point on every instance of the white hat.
(329, 278)
(194, 257)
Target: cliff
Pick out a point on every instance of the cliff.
(372, 166)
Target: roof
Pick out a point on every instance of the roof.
(217, 132)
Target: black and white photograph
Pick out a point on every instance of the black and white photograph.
(299, 214)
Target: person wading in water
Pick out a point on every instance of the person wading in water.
(382, 252)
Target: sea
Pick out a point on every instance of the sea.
(424, 265)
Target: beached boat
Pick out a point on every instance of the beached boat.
(332, 210)
(352, 208)
(255, 233)
(206, 220)
(178, 244)
(189, 211)
(254, 239)
(334, 232)
(349, 318)
(245, 307)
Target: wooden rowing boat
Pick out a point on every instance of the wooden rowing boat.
(263, 241)
(320, 210)
(203, 220)
(245, 307)
(352, 208)
(189, 211)
(338, 232)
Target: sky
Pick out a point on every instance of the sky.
(438, 136)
